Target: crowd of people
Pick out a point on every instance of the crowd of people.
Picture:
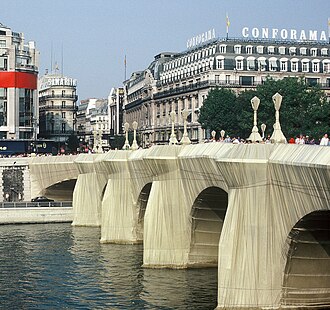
(301, 139)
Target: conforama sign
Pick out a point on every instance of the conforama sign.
(284, 34)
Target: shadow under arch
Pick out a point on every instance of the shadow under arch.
(306, 279)
(207, 214)
(62, 191)
(142, 206)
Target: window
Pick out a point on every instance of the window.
(63, 104)
(292, 50)
(2, 43)
(237, 49)
(228, 79)
(223, 48)
(313, 52)
(63, 115)
(249, 49)
(315, 66)
(271, 50)
(3, 63)
(220, 63)
(239, 63)
(294, 65)
(281, 50)
(63, 127)
(284, 64)
(260, 49)
(305, 65)
(217, 79)
(262, 63)
(63, 93)
(326, 66)
(272, 64)
(324, 52)
(251, 63)
(303, 51)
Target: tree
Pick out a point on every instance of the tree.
(304, 108)
(219, 111)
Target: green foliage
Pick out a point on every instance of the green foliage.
(304, 109)
(219, 111)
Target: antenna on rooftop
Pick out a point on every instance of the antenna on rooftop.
(125, 64)
(62, 61)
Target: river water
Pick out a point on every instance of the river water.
(57, 266)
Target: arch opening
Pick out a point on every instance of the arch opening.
(208, 214)
(62, 191)
(142, 206)
(306, 279)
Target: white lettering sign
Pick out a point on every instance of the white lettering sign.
(201, 38)
(283, 34)
(64, 81)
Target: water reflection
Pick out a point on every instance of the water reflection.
(58, 266)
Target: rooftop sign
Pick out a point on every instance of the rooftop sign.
(284, 34)
(201, 38)
(57, 81)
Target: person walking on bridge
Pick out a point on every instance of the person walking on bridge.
(325, 140)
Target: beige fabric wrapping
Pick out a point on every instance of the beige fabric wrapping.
(270, 188)
(87, 195)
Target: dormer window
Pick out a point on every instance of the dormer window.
(271, 50)
(303, 51)
(237, 49)
(239, 62)
(292, 50)
(281, 50)
(260, 49)
(262, 63)
(314, 52)
(251, 63)
(324, 52)
(222, 48)
(294, 65)
(249, 49)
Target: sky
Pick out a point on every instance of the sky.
(95, 35)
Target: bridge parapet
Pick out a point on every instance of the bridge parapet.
(46, 171)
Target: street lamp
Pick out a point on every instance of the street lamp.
(263, 129)
(173, 139)
(255, 136)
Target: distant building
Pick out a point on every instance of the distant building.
(57, 107)
(115, 109)
(18, 86)
(92, 120)
(177, 81)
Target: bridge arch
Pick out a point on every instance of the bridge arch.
(306, 279)
(142, 202)
(61, 191)
(207, 217)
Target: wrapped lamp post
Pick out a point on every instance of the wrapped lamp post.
(185, 139)
(126, 145)
(277, 136)
(173, 139)
(255, 136)
(263, 129)
(134, 143)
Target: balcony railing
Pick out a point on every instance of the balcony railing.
(64, 96)
(57, 107)
(56, 132)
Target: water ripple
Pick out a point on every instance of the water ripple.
(56, 266)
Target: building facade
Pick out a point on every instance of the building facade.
(115, 111)
(57, 107)
(18, 86)
(92, 122)
(177, 81)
